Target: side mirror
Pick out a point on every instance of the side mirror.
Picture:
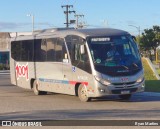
(134, 38)
(82, 49)
(65, 56)
(65, 60)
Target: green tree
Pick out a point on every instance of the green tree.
(150, 39)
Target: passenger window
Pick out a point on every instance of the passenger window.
(58, 51)
(51, 46)
(23, 50)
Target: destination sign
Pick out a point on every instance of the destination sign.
(100, 39)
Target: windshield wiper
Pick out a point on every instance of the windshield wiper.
(135, 65)
(125, 67)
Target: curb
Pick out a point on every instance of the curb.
(2, 72)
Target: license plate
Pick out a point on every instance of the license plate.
(125, 92)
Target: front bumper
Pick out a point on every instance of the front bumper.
(120, 89)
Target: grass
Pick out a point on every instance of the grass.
(158, 70)
(1, 67)
(151, 83)
(148, 73)
(152, 86)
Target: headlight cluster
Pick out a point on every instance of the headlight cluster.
(102, 81)
(140, 80)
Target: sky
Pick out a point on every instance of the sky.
(117, 14)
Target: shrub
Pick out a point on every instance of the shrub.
(1, 66)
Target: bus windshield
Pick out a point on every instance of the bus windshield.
(115, 55)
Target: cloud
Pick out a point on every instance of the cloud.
(11, 26)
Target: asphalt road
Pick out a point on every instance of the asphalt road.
(21, 104)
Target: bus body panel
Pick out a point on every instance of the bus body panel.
(82, 77)
(68, 78)
(51, 78)
(65, 82)
(22, 73)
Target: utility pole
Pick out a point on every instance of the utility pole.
(32, 16)
(138, 28)
(77, 19)
(67, 12)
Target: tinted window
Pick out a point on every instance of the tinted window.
(41, 50)
(15, 50)
(51, 45)
(79, 59)
(50, 50)
(58, 50)
(22, 50)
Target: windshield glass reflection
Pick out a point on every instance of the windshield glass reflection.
(116, 55)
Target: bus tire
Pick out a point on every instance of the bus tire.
(82, 94)
(36, 91)
(125, 97)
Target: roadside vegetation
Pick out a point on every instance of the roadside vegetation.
(152, 86)
(151, 83)
(158, 70)
(149, 75)
(4, 67)
(1, 67)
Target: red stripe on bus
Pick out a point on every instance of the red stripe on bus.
(74, 83)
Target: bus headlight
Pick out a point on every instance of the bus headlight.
(102, 81)
(140, 80)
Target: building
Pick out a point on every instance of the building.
(4, 46)
(4, 49)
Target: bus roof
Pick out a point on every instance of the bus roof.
(97, 32)
(63, 32)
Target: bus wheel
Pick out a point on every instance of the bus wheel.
(82, 94)
(36, 91)
(125, 97)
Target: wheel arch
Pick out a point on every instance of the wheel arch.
(76, 88)
(31, 82)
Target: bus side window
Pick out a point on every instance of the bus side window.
(44, 50)
(82, 58)
(81, 53)
(23, 50)
(60, 50)
(40, 50)
(16, 50)
(78, 53)
(51, 46)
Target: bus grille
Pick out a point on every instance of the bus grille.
(124, 85)
(119, 91)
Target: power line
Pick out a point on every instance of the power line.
(77, 20)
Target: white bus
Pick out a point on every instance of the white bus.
(87, 63)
